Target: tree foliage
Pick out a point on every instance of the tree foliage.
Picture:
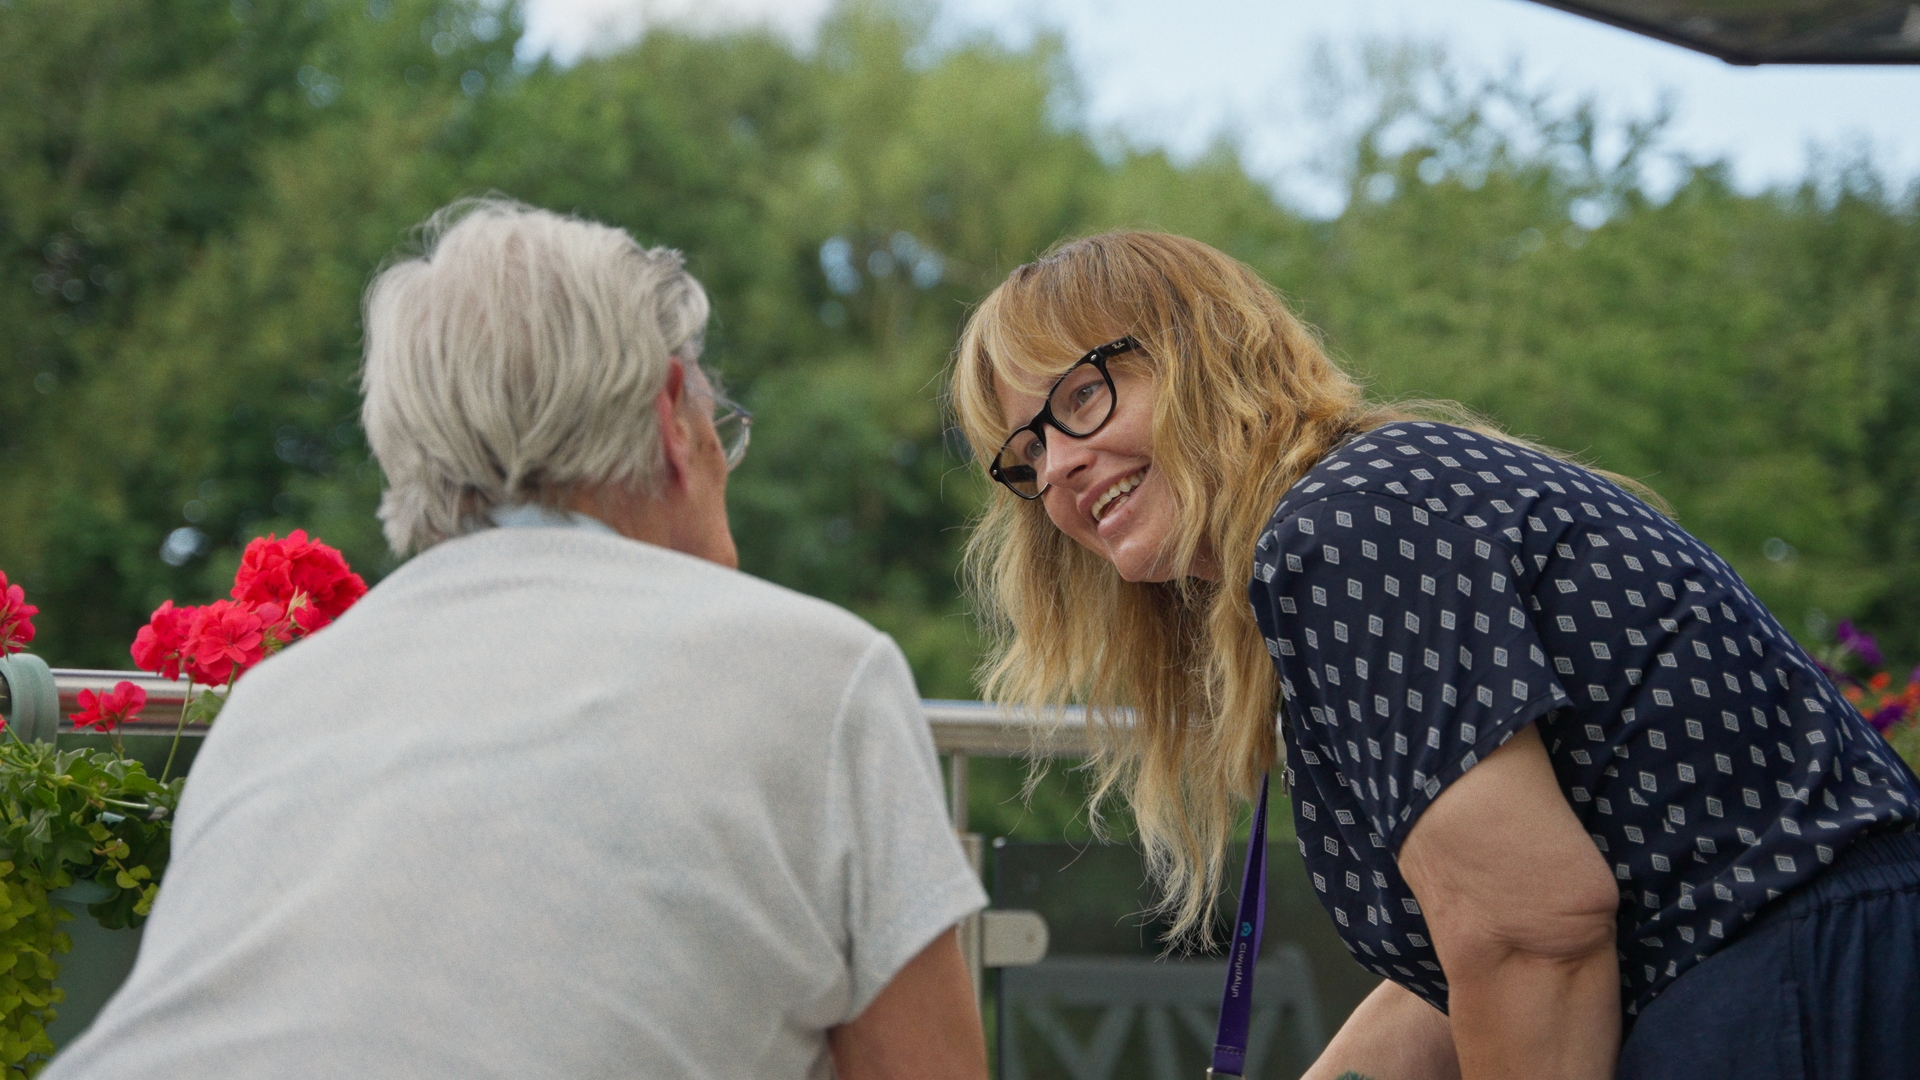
(193, 196)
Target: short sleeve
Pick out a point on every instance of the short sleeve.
(1404, 650)
(907, 880)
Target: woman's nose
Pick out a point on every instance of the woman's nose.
(1065, 456)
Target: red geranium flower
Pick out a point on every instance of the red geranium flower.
(159, 646)
(16, 617)
(302, 575)
(266, 569)
(105, 712)
(329, 585)
(225, 638)
(276, 629)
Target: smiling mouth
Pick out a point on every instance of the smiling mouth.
(1116, 494)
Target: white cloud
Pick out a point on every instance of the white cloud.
(1178, 75)
(569, 29)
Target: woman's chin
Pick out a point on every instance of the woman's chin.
(1134, 539)
(1141, 564)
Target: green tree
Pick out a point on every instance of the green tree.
(1751, 357)
(188, 217)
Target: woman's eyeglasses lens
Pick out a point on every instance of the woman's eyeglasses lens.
(1080, 402)
(1018, 464)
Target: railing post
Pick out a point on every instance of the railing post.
(33, 697)
(971, 939)
(957, 790)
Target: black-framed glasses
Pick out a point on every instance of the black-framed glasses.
(1080, 401)
(734, 424)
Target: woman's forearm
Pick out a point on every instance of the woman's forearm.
(1515, 1015)
(1393, 1035)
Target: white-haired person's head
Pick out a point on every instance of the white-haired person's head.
(525, 357)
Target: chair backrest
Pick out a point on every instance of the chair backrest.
(1119, 1018)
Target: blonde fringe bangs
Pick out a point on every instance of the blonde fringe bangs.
(1175, 677)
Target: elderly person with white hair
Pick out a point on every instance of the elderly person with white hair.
(565, 795)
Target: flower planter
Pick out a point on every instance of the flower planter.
(86, 820)
(94, 968)
(100, 958)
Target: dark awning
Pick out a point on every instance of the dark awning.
(1770, 31)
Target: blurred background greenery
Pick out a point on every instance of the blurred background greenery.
(193, 196)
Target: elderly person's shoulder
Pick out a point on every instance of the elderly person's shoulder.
(555, 634)
(588, 605)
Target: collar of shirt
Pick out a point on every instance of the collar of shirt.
(535, 516)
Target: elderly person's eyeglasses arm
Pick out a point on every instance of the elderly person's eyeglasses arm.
(923, 1026)
(685, 510)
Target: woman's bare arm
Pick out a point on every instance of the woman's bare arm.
(1393, 1035)
(1521, 908)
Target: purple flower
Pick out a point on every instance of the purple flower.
(1840, 678)
(1862, 645)
(1888, 716)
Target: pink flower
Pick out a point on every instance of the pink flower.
(224, 639)
(16, 617)
(105, 712)
(159, 644)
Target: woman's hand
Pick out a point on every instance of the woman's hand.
(1521, 907)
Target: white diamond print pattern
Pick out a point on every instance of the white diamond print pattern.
(1466, 587)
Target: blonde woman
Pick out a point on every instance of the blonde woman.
(1558, 777)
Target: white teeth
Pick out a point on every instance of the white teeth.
(1113, 493)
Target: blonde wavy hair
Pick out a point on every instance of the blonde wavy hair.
(1176, 680)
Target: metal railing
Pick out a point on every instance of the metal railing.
(164, 696)
(960, 729)
(1133, 1004)
(974, 727)
(964, 728)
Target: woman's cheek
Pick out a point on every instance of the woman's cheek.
(1065, 518)
(1061, 514)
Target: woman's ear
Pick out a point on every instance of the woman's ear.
(676, 435)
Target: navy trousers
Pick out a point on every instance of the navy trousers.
(1823, 985)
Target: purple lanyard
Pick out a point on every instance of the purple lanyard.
(1236, 1001)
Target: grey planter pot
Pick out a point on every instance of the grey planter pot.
(100, 961)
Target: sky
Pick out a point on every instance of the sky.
(1192, 71)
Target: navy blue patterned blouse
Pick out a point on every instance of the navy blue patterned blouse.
(1426, 592)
